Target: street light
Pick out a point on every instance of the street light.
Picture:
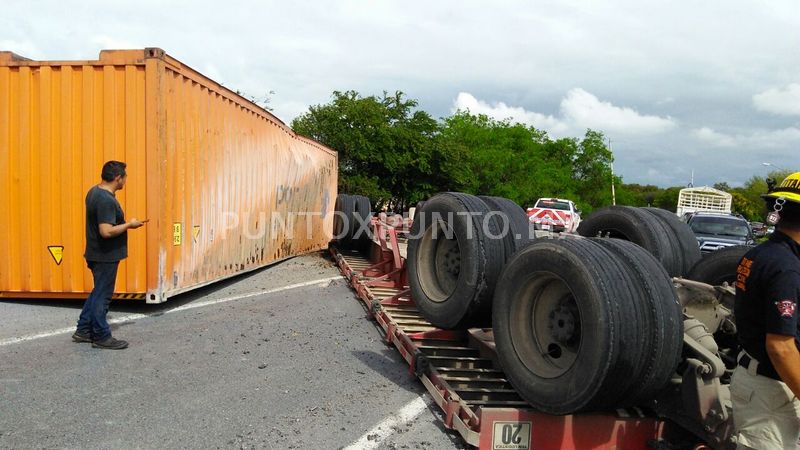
(767, 164)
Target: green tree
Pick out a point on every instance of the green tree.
(503, 159)
(722, 186)
(668, 199)
(386, 147)
(591, 170)
(522, 163)
(637, 194)
(756, 186)
(752, 211)
(396, 154)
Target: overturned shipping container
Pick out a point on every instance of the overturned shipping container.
(226, 185)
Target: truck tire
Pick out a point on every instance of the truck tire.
(683, 237)
(718, 266)
(635, 225)
(361, 228)
(565, 327)
(660, 319)
(343, 219)
(452, 265)
(513, 220)
(418, 207)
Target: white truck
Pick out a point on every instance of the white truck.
(554, 214)
(705, 199)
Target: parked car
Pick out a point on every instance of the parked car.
(554, 214)
(759, 229)
(718, 230)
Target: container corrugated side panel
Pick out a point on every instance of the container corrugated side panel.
(241, 190)
(198, 155)
(59, 122)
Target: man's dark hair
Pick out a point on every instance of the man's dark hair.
(790, 214)
(113, 169)
(790, 217)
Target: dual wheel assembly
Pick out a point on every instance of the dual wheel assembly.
(668, 239)
(580, 324)
(456, 249)
(586, 325)
(351, 222)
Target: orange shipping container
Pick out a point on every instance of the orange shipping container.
(226, 185)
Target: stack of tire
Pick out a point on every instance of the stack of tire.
(586, 324)
(658, 231)
(457, 246)
(669, 239)
(579, 324)
(351, 222)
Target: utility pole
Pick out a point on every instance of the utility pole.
(613, 191)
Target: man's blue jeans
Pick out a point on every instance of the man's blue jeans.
(93, 316)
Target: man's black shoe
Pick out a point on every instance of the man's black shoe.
(110, 344)
(81, 337)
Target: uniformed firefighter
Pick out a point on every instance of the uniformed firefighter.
(766, 384)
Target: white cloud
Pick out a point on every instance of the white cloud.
(714, 138)
(211, 71)
(500, 111)
(288, 110)
(775, 138)
(111, 43)
(683, 71)
(579, 110)
(585, 110)
(22, 48)
(784, 101)
(758, 138)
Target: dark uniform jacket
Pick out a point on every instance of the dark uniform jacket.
(767, 291)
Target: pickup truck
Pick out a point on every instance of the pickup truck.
(715, 230)
(554, 214)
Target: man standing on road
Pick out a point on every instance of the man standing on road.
(106, 246)
(766, 385)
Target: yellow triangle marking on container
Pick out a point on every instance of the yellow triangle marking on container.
(196, 232)
(57, 252)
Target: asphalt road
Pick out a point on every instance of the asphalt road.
(273, 359)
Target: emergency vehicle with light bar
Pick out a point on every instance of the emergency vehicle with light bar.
(554, 214)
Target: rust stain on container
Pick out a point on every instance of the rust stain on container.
(244, 189)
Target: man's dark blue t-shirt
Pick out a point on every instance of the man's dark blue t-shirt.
(767, 292)
(103, 207)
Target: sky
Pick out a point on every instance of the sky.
(708, 88)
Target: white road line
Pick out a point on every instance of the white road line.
(30, 337)
(130, 317)
(374, 437)
(251, 294)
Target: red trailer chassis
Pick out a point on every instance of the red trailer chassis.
(459, 368)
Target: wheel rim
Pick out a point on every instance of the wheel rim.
(546, 326)
(439, 262)
(614, 234)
